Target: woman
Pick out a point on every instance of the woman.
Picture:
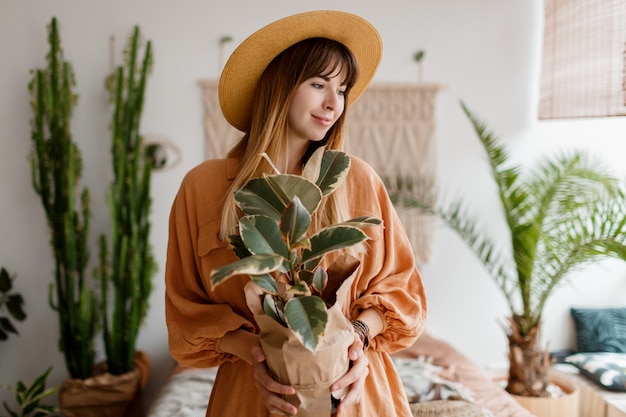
(287, 87)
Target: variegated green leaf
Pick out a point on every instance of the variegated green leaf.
(307, 318)
(295, 222)
(252, 265)
(286, 187)
(256, 197)
(266, 282)
(269, 307)
(333, 238)
(300, 288)
(363, 221)
(238, 246)
(320, 279)
(333, 171)
(311, 264)
(261, 235)
(313, 166)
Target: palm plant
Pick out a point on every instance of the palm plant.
(565, 214)
(277, 250)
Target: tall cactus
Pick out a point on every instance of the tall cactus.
(56, 167)
(131, 265)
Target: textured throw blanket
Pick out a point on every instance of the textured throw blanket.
(186, 394)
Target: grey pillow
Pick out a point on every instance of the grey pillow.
(600, 329)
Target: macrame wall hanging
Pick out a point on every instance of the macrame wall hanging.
(391, 126)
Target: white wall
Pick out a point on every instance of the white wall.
(485, 51)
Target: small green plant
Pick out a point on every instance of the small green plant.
(277, 250)
(129, 268)
(12, 302)
(56, 167)
(28, 398)
(419, 58)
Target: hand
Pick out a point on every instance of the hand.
(355, 377)
(269, 388)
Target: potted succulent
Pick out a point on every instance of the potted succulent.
(127, 269)
(294, 295)
(56, 167)
(566, 213)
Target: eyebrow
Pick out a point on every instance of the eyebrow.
(327, 78)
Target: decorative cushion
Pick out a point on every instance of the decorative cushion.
(600, 329)
(424, 381)
(607, 369)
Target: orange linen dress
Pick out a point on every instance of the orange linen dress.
(198, 316)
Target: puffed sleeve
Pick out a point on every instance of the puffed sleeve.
(195, 321)
(389, 281)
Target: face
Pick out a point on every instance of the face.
(316, 105)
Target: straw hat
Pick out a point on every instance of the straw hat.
(246, 64)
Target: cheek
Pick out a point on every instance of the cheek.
(341, 106)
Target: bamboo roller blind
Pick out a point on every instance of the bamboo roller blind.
(583, 71)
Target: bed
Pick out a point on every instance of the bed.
(438, 379)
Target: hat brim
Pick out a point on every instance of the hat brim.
(246, 64)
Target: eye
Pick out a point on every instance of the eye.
(317, 85)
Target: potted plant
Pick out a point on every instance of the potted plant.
(126, 272)
(296, 297)
(56, 168)
(12, 302)
(564, 214)
(28, 398)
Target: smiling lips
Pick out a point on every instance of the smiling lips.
(325, 121)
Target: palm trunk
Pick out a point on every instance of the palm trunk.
(528, 362)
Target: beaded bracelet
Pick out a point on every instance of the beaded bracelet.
(362, 329)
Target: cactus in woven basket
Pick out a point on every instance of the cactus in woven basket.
(56, 169)
(129, 267)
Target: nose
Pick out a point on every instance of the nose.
(331, 100)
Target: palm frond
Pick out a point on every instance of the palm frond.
(458, 218)
(566, 213)
(583, 235)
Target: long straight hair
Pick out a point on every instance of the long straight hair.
(269, 129)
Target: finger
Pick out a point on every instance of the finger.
(270, 391)
(257, 353)
(356, 391)
(356, 348)
(355, 372)
(280, 406)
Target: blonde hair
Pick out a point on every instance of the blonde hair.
(268, 129)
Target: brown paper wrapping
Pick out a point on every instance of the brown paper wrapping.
(104, 394)
(310, 373)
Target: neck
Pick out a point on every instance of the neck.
(296, 153)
